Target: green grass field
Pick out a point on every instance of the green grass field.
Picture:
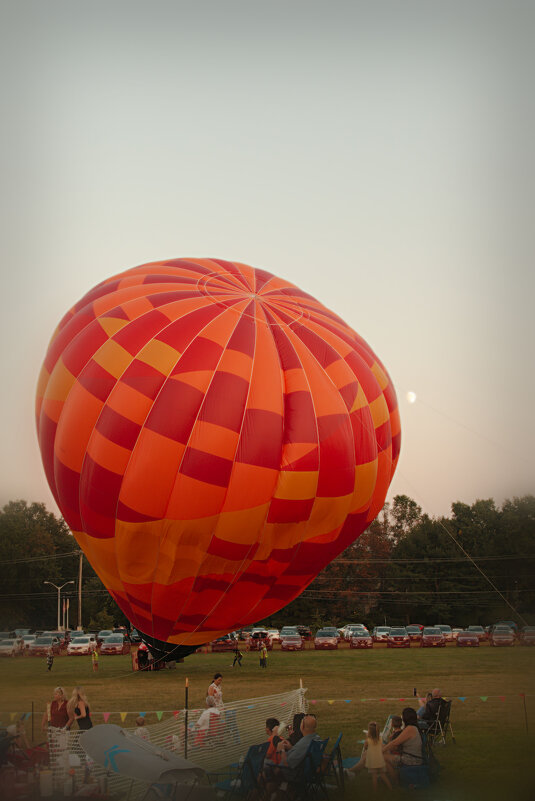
(493, 755)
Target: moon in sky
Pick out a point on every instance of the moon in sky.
(411, 397)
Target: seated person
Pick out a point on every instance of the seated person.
(272, 730)
(290, 756)
(408, 744)
(295, 728)
(396, 731)
(432, 706)
(203, 721)
(423, 703)
(293, 755)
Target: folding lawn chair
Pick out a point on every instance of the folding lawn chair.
(247, 779)
(309, 779)
(333, 766)
(440, 727)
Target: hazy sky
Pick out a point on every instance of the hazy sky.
(377, 154)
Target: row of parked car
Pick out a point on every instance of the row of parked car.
(357, 635)
(107, 641)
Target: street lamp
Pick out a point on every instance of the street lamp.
(58, 589)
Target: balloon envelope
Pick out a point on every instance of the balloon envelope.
(213, 437)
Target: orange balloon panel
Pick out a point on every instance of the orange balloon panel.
(214, 437)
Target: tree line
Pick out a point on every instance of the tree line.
(473, 566)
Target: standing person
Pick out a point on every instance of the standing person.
(215, 691)
(238, 656)
(79, 709)
(49, 658)
(264, 657)
(94, 660)
(57, 714)
(372, 757)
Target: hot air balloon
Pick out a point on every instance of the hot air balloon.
(213, 436)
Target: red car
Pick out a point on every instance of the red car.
(292, 642)
(222, 644)
(398, 638)
(325, 640)
(41, 645)
(468, 639)
(432, 638)
(361, 639)
(479, 630)
(502, 636)
(258, 638)
(116, 644)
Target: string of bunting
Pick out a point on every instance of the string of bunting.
(123, 715)
(412, 698)
(176, 712)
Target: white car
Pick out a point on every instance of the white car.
(27, 639)
(274, 635)
(82, 645)
(10, 647)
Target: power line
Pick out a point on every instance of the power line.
(387, 579)
(336, 593)
(38, 558)
(439, 559)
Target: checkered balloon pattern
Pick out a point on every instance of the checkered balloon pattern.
(214, 437)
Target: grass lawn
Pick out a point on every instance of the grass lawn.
(493, 755)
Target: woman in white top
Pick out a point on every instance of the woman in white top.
(215, 691)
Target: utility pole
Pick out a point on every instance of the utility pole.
(59, 602)
(80, 592)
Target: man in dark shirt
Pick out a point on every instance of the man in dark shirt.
(432, 706)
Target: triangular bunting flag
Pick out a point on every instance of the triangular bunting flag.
(106, 716)
(462, 698)
(502, 697)
(382, 699)
(330, 702)
(362, 699)
(27, 715)
(176, 712)
(142, 714)
(123, 716)
(159, 715)
(348, 700)
(12, 715)
(313, 702)
(483, 697)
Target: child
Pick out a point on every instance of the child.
(94, 659)
(49, 659)
(396, 731)
(263, 655)
(372, 758)
(140, 729)
(238, 656)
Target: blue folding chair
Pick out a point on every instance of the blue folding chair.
(247, 779)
